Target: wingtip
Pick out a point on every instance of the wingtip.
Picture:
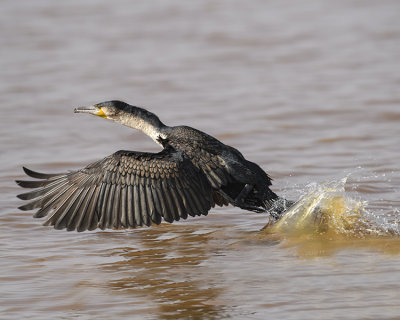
(23, 196)
(29, 172)
(26, 170)
(23, 208)
(39, 175)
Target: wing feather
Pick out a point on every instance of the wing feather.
(136, 205)
(38, 175)
(157, 205)
(170, 208)
(124, 218)
(73, 212)
(102, 206)
(144, 216)
(151, 203)
(90, 213)
(60, 221)
(130, 201)
(163, 202)
(126, 189)
(176, 196)
(116, 214)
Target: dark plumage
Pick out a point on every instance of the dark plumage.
(192, 173)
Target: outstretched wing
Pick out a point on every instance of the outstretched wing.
(124, 190)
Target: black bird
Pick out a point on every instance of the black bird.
(192, 173)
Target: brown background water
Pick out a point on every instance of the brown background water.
(307, 89)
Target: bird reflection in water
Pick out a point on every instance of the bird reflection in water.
(168, 266)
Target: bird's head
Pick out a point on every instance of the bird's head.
(130, 116)
(108, 110)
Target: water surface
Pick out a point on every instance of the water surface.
(309, 90)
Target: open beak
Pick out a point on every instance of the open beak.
(92, 110)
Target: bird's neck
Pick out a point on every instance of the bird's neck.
(154, 132)
(150, 126)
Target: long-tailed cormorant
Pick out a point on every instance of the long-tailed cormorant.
(192, 173)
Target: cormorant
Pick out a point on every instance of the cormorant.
(192, 173)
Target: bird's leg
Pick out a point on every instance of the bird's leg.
(238, 202)
(250, 207)
(243, 194)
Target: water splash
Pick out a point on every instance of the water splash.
(328, 211)
(327, 219)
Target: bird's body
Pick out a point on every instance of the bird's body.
(225, 167)
(192, 173)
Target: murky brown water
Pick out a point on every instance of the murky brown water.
(307, 89)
